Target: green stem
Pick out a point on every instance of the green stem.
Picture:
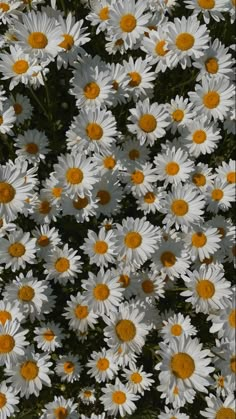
(50, 117)
(39, 103)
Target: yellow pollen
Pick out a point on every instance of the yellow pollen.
(119, 397)
(43, 241)
(7, 343)
(233, 364)
(7, 193)
(149, 198)
(74, 176)
(5, 7)
(3, 400)
(44, 207)
(128, 23)
(199, 239)
(199, 179)
(103, 364)
(225, 413)
(91, 90)
(217, 194)
(80, 203)
(232, 319)
(172, 168)
(168, 259)
(17, 108)
(68, 367)
(104, 13)
(176, 330)
(104, 197)
(16, 250)
(37, 40)
(81, 312)
(207, 261)
(125, 330)
(178, 115)
(199, 136)
(26, 293)
(206, 4)
(124, 280)
(179, 207)
(62, 265)
(205, 289)
(136, 378)
(221, 381)
(67, 42)
(115, 85)
(119, 42)
(20, 67)
(100, 247)
(231, 177)
(148, 286)
(137, 177)
(135, 79)
(109, 162)
(108, 226)
(182, 365)
(60, 413)
(211, 65)
(159, 48)
(31, 148)
(101, 292)
(211, 100)
(147, 123)
(133, 240)
(4, 316)
(49, 335)
(94, 131)
(57, 191)
(87, 393)
(221, 231)
(134, 154)
(184, 41)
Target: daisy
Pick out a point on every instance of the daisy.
(32, 145)
(223, 385)
(99, 15)
(53, 189)
(224, 321)
(108, 162)
(202, 176)
(68, 368)
(140, 179)
(7, 120)
(101, 247)
(127, 21)
(82, 209)
(214, 97)
(150, 201)
(150, 286)
(141, 78)
(176, 326)
(208, 8)
(220, 196)
(173, 166)
(12, 342)
(60, 408)
(8, 11)
(113, 46)
(168, 414)
(177, 396)
(186, 38)
(10, 311)
(48, 337)
(103, 293)
(184, 364)
(6, 227)
(118, 398)
(43, 210)
(136, 240)
(8, 401)
(156, 48)
(148, 121)
(87, 395)
(183, 206)
(225, 359)
(76, 174)
(126, 278)
(102, 365)
(225, 229)
(62, 265)
(17, 250)
(202, 241)
(120, 80)
(227, 171)
(22, 107)
(208, 290)
(216, 408)
(181, 112)
(109, 194)
(38, 35)
(133, 153)
(79, 315)
(46, 240)
(138, 380)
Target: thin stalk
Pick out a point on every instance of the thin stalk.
(39, 103)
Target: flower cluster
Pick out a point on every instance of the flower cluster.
(117, 186)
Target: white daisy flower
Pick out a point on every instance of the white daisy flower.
(202, 176)
(156, 48)
(62, 265)
(172, 413)
(9, 11)
(133, 153)
(17, 250)
(7, 120)
(201, 241)
(181, 112)
(140, 179)
(173, 166)
(176, 395)
(82, 209)
(227, 171)
(223, 385)
(102, 365)
(141, 78)
(216, 408)
(208, 8)
(6, 227)
(138, 380)
(10, 311)
(12, 342)
(60, 408)
(118, 398)
(99, 15)
(108, 162)
(220, 196)
(43, 210)
(120, 81)
(53, 189)
(79, 315)
(109, 194)
(225, 359)
(46, 239)
(48, 336)
(32, 145)
(101, 247)
(150, 202)
(8, 401)
(22, 107)
(68, 368)
(150, 286)
(113, 46)
(176, 326)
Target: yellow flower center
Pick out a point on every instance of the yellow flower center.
(211, 100)
(136, 378)
(101, 292)
(4, 316)
(103, 364)
(68, 367)
(57, 191)
(172, 168)
(205, 289)
(184, 41)
(182, 365)
(147, 286)
(104, 197)
(135, 79)
(3, 400)
(119, 397)
(225, 413)
(179, 207)
(233, 2)
(109, 162)
(178, 115)
(221, 381)
(159, 48)
(206, 4)
(5, 7)
(212, 65)
(199, 136)
(149, 198)
(91, 90)
(119, 42)
(221, 231)
(62, 265)
(133, 240)
(1, 120)
(87, 393)
(81, 312)
(147, 123)
(7, 192)
(104, 13)
(43, 241)
(137, 177)
(17, 108)
(199, 239)
(168, 259)
(199, 179)
(232, 319)
(233, 363)
(100, 247)
(60, 413)
(44, 207)
(80, 203)
(94, 131)
(231, 177)
(31, 148)
(128, 23)
(7, 343)
(67, 42)
(217, 194)
(16, 250)
(20, 66)
(124, 280)
(26, 293)
(49, 335)
(125, 330)
(74, 176)
(134, 154)
(176, 330)
(37, 40)
(115, 85)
